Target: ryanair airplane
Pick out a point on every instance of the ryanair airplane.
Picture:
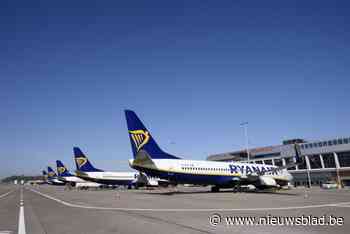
(52, 177)
(65, 176)
(44, 175)
(152, 160)
(86, 171)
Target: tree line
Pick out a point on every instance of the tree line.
(10, 179)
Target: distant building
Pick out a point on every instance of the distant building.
(324, 160)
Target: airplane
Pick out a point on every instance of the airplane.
(44, 176)
(52, 177)
(149, 158)
(65, 176)
(86, 171)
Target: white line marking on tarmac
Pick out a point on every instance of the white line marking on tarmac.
(340, 204)
(344, 205)
(21, 222)
(5, 194)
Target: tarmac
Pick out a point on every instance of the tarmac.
(54, 209)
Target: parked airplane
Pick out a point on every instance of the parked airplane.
(152, 160)
(87, 171)
(44, 176)
(52, 177)
(65, 176)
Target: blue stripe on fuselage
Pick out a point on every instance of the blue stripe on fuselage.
(191, 178)
(186, 178)
(108, 182)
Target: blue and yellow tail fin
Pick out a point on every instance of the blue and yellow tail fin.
(62, 170)
(51, 173)
(82, 162)
(141, 138)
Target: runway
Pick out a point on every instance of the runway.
(50, 209)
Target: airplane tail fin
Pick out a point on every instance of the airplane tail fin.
(62, 170)
(82, 162)
(51, 173)
(141, 138)
(44, 175)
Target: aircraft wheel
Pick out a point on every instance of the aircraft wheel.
(215, 189)
(235, 189)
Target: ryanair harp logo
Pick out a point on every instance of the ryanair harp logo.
(139, 137)
(51, 174)
(61, 170)
(81, 161)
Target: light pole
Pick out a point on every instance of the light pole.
(245, 125)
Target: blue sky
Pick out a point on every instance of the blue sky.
(192, 70)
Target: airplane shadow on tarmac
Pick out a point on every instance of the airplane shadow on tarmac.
(177, 192)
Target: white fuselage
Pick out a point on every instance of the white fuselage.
(54, 181)
(209, 172)
(78, 182)
(72, 179)
(111, 178)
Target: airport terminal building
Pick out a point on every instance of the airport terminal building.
(327, 160)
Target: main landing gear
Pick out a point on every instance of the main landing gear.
(215, 189)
